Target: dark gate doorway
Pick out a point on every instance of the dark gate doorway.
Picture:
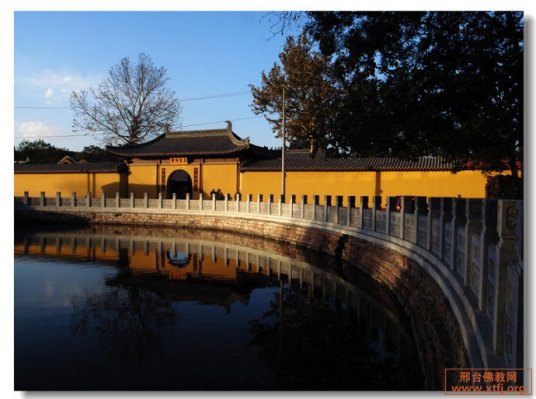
(180, 183)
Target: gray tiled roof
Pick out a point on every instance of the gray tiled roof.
(302, 160)
(217, 142)
(101, 167)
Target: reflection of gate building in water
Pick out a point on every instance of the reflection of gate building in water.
(170, 265)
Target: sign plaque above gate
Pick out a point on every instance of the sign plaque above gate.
(178, 161)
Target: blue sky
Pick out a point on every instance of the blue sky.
(206, 54)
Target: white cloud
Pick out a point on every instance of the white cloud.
(35, 129)
(58, 85)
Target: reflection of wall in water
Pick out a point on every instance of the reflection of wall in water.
(182, 259)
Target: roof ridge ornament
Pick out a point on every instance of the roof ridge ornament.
(229, 125)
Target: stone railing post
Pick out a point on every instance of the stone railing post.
(187, 201)
(88, 199)
(315, 204)
(303, 203)
(514, 298)
(237, 198)
(117, 200)
(421, 209)
(26, 198)
(213, 202)
(291, 204)
(519, 232)
(200, 201)
(146, 200)
(58, 199)
(174, 200)
(488, 237)
(350, 206)
(509, 219)
(458, 220)
(376, 206)
(513, 334)
(269, 205)
(338, 204)
(259, 201)
(248, 202)
(391, 204)
(434, 230)
(406, 206)
(363, 204)
(73, 199)
(160, 200)
(327, 204)
(226, 203)
(103, 199)
(473, 212)
(445, 216)
(132, 200)
(281, 202)
(429, 221)
(42, 200)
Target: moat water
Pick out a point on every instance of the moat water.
(123, 308)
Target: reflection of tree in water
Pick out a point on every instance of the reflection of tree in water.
(314, 346)
(126, 321)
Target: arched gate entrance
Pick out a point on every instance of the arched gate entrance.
(180, 183)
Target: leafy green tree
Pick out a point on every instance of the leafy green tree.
(93, 153)
(39, 151)
(93, 149)
(427, 83)
(310, 94)
(130, 106)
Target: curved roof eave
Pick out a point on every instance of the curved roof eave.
(178, 154)
(217, 142)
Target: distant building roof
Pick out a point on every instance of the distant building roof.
(67, 160)
(224, 142)
(200, 143)
(303, 160)
(86, 167)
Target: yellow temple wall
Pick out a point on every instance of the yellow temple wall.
(225, 177)
(66, 183)
(466, 184)
(220, 176)
(142, 179)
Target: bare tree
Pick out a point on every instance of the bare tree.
(130, 106)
